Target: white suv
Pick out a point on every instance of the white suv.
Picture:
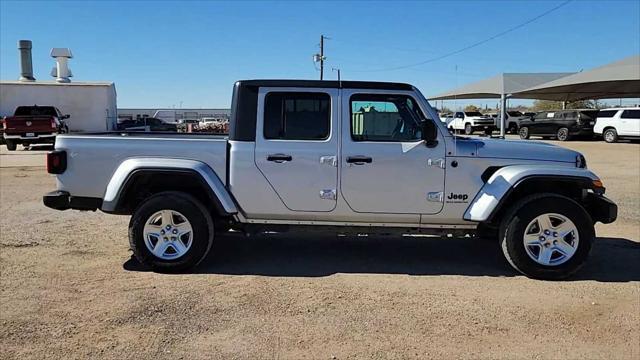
(613, 124)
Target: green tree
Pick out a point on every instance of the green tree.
(471, 108)
(542, 105)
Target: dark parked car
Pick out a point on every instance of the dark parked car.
(153, 124)
(560, 124)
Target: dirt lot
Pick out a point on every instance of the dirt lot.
(70, 290)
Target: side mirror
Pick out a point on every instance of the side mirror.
(429, 133)
(65, 116)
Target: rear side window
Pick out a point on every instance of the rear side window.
(297, 116)
(385, 118)
(630, 114)
(607, 113)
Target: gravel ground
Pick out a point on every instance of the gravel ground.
(70, 290)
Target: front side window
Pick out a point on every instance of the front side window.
(385, 118)
(297, 116)
(630, 114)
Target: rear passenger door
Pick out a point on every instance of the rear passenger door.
(297, 144)
(630, 123)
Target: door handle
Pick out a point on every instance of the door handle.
(279, 158)
(359, 160)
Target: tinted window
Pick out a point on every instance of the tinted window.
(297, 116)
(514, 113)
(607, 113)
(385, 118)
(589, 114)
(630, 114)
(472, 113)
(36, 111)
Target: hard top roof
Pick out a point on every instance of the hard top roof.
(326, 84)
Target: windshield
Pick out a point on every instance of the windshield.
(514, 113)
(473, 113)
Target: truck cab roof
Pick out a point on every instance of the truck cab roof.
(325, 84)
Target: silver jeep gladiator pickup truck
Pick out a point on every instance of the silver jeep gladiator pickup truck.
(340, 157)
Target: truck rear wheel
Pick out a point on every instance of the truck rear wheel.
(171, 232)
(547, 236)
(11, 145)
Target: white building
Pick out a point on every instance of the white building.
(92, 105)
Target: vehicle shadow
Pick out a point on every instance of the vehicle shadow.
(612, 259)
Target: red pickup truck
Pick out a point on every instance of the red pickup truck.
(33, 125)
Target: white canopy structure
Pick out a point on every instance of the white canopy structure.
(500, 86)
(620, 79)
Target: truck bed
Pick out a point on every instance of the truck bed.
(93, 157)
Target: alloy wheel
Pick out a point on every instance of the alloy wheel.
(168, 234)
(551, 239)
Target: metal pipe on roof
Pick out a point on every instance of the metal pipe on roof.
(26, 64)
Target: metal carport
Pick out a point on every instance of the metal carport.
(620, 79)
(500, 86)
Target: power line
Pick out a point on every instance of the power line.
(455, 52)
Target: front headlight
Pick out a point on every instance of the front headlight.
(581, 162)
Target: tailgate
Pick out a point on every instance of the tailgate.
(29, 124)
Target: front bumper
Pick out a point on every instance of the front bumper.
(62, 200)
(484, 125)
(601, 208)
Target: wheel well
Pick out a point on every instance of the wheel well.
(573, 188)
(144, 183)
(608, 127)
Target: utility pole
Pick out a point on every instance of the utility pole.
(320, 57)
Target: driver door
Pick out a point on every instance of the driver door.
(385, 166)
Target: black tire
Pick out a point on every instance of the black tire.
(197, 215)
(524, 133)
(11, 145)
(468, 129)
(563, 134)
(610, 135)
(488, 131)
(513, 227)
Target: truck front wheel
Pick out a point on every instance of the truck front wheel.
(547, 236)
(171, 232)
(468, 129)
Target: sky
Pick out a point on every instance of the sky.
(189, 53)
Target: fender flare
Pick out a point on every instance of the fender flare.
(121, 176)
(493, 195)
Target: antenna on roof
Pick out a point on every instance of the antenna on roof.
(339, 79)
